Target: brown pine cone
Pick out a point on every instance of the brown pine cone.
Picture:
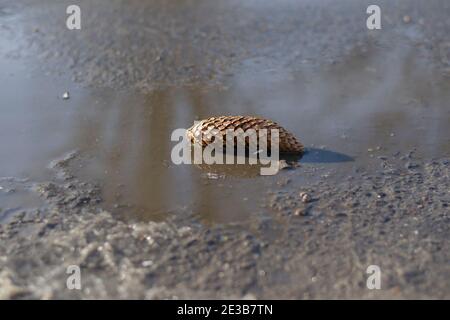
(202, 131)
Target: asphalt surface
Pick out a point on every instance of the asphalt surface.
(391, 210)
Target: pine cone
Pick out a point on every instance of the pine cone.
(202, 132)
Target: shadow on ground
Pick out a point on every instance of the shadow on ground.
(314, 155)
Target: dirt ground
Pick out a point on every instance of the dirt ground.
(383, 199)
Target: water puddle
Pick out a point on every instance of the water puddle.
(347, 115)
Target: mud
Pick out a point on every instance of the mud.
(88, 180)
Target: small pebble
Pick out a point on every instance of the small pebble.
(406, 19)
(147, 263)
(65, 95)
(305, 197)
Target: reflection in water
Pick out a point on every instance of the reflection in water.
(244, 169)
(392, 103)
